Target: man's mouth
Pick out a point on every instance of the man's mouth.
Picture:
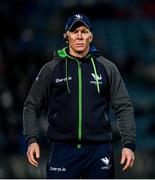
(79, 44)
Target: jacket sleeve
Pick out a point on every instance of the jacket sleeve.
(37, 96)
(123, 108)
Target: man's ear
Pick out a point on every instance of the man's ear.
(65, 37)
(91, 37)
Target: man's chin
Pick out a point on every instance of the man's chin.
(80, 50)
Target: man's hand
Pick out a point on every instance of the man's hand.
(33, 153)
(127, 158)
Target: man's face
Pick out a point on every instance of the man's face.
(79, 40)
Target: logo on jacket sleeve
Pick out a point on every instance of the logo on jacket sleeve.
(37, 78)
(95, 78)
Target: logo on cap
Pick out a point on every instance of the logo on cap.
(78, 17)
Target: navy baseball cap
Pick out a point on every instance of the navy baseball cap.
(76, 18)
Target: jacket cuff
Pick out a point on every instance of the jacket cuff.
(32, 140)
(131, 146)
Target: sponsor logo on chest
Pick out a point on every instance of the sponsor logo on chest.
(60, 80)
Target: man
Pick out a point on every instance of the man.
(79, 85)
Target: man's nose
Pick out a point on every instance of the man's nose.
(79, 35)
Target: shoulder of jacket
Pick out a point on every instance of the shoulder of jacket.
(51, 64)
(108, 65)
(105, 62)
(110, 68)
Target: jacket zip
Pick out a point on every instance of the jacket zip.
(80, 105)
(80, 95)
(80, 102)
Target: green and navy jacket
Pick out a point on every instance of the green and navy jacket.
(78, 93)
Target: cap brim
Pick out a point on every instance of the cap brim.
(71, 26)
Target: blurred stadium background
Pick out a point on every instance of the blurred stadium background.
(124, 32)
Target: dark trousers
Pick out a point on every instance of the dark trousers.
(90, 161)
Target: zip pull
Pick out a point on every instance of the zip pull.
(79, 146)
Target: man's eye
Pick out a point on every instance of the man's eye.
(75, 32)
(85, 32)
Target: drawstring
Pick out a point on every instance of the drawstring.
(67, 77)
(95, 72)
(96, 76)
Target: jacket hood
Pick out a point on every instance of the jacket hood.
(62, 53)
